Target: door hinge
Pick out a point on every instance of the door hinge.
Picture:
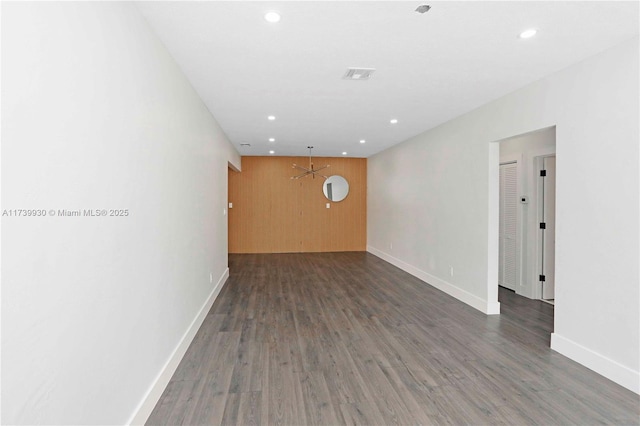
(543, 225)
(542, 277)
(543, 173)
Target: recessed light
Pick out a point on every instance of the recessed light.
(272, 140)
(272, 152)
(271, 117)
(393, 121)
(344, 153)
(362, 141)
(272, 16)
(528, 33)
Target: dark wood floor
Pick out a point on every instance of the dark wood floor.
(346, 338)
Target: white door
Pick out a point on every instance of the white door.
(508, 248)
(549, 231)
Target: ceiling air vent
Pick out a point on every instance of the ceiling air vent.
(248, 145)
(358, 73)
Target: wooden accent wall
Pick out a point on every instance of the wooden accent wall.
(273, 213)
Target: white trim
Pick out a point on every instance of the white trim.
(148, 403)
(450, 289)
(612, 370)
(549, 151)
(513, 158)
(493, 228)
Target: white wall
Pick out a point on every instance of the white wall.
(431, 196)
(525, 149)
(97, 115)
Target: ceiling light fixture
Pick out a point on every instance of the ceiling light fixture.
(528, 33)
(272, 140)
(344, 153)
(271, 117)
(310, 171)
(393, 121)
(362, 141)
(272, 16)
(272, 152)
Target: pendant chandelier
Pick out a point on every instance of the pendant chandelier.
(309, 171)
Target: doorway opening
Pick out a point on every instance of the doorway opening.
(526, 220)
(232, 195)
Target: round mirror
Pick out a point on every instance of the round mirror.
(335, 188)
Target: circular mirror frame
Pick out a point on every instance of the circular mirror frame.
(335, 188)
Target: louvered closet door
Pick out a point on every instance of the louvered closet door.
(508, 268)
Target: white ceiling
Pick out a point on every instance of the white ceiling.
(430, 67)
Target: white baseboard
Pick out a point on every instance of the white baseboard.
(144, 409)
(489, 308)
(612, 370)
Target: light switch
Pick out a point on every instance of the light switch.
(230, 205)
(328, 205)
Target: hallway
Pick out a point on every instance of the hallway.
(337, 338)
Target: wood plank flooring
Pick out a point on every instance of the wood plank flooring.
(346, 338)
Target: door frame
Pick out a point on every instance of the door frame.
(538, 163)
